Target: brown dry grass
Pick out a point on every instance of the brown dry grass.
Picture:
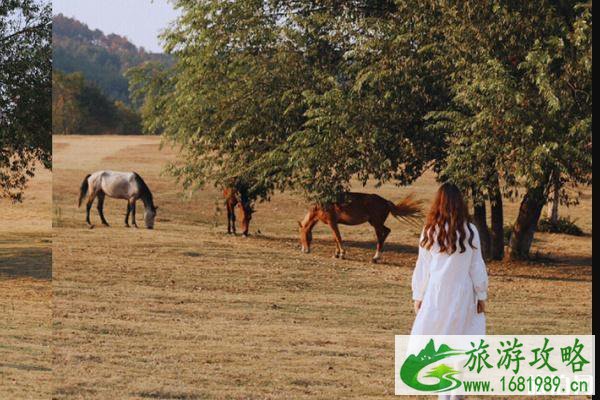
(26, 293)
(187, 312)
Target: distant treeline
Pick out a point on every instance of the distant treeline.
(90, 90)
(79, 107)
(102, 59)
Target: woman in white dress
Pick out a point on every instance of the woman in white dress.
(450, 280)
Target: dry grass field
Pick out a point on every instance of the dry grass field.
(26, 293)
(187, 312)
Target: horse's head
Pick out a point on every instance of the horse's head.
(149, 216)
(247, 212)
(305, 235)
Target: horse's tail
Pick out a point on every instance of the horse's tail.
(84, 189)
(408, 209)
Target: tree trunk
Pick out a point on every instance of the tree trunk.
(497, 220)
(480, 221)
(552, 212)
(526, 224)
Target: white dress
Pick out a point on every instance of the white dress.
(449, 286)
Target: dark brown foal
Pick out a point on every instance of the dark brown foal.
(234, 198)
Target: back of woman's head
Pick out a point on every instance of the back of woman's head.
(446, 221)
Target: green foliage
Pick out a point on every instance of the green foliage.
(562, 225)
(25, 92)
(79, 107)
(150, 86)
(308, 95)
(290, 95)
(102, 59)
(521, 95)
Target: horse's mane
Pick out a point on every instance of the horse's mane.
(145, 192)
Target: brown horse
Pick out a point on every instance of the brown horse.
(356, 209)
(233, 198)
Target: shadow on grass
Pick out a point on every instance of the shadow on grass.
(547, 268)
(561, 261)
(543, 278)
(161, 394)
(361, 244)
(32, 262)
(23, 367)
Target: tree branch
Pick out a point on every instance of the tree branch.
(21, 32)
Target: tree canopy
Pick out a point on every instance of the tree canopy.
(521, 102)
(290, 95)
(25, 92)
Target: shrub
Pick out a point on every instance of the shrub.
(562, 225)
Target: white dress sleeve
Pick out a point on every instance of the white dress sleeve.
(421, 273)
(478, 271)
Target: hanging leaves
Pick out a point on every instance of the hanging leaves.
(25, 92)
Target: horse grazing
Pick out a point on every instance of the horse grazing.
(119, 185)
(233, 198)
(356, 209)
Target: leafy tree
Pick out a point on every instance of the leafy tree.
(521, 107)
(291, 95)
(227, 101)
(25, 92)
(366, 118)
(67, 117)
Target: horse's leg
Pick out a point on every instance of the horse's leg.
(132, 206)
(100, 207)
(233, 219)
(88, 207)
(127, 214)
(339, 251)
(382, 233)
(228, 222)
(228, 218)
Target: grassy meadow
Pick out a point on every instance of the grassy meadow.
(186, 311)
(26, 292)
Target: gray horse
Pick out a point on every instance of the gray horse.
(119, 185)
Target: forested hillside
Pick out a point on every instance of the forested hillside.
(102, 59)
(90, 90)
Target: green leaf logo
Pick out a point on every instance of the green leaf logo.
(413, 365)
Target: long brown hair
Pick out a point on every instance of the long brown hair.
(446, 220)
